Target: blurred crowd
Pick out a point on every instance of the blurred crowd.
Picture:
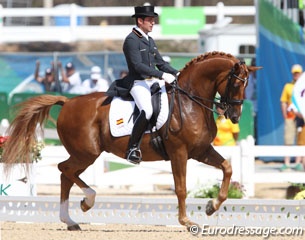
(67, 79)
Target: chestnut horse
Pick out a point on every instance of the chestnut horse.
(83, 128)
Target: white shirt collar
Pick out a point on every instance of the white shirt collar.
(143, 33)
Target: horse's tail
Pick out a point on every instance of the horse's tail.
(22, 131)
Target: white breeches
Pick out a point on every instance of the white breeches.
(140, 92)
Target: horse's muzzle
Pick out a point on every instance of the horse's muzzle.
(233, 115)
(235, 119)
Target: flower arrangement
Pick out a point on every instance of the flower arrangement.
(236, 190)
(35, 152)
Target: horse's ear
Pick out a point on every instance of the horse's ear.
(253, 68)
(236, 66)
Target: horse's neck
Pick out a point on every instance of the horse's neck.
(200, 87)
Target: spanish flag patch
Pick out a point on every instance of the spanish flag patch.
(119, 121)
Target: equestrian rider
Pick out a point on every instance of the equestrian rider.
(146, 67)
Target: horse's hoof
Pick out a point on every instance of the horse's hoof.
(210, 209)
(84, 206)
(74, 227)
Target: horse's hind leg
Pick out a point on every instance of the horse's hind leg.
(70, 174)
(66, 185)
(213, 158)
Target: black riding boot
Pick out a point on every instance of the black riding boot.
(133, 153)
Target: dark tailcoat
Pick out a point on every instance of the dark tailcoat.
(143, 60)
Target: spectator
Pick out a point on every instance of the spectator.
(71, 80)
(290, 128)
(251, 95)
(95, 83)
(123, 74)
(167, 59)
(227, 132)
(300, 141)
(48, 79)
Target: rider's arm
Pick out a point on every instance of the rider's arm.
(64, 77)
(36, 75)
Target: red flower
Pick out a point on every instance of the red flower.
(3, 140)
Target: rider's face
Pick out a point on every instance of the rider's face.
(146, 24)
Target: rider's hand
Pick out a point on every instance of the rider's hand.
(169, 78)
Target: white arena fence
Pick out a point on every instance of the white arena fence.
(157, 211)
(160, 211)
(74, 32)
(149, 175)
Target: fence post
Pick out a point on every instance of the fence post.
(4, 124)
(1, 16)
(247, 165)
(235, 159)
(73, 21)
(98, 169)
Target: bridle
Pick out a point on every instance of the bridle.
(225, 102)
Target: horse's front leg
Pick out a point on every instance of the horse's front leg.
(179, 173)
(213, 158)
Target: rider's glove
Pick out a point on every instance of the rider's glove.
(169, 78)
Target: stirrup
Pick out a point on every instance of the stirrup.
(134, 155)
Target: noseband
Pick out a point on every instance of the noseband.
(225, 100)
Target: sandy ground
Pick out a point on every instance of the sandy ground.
(57, 231)
(52, 231)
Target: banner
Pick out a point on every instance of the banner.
(280, 45)
(186, 20)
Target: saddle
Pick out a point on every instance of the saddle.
(123, 113)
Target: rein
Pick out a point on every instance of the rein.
(196, 98)
(224, 103)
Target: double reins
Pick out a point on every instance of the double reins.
(224, 103)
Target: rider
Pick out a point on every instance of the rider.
(142, 58)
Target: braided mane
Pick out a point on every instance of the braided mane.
(207, 55)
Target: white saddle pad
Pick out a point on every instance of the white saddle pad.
(120, 115)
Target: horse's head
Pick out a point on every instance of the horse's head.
(232, 91)
(213, 72)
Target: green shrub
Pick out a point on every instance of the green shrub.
(235, 191)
